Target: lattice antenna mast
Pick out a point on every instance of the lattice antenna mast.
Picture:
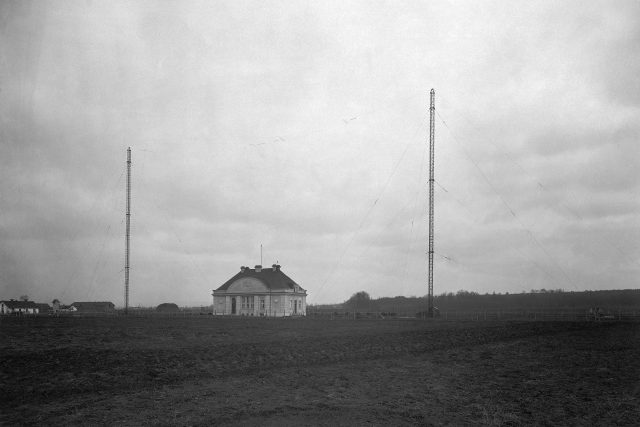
(432, 113)
(128, 234)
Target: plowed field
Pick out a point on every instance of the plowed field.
(247, 371)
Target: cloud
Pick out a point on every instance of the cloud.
(241, 121)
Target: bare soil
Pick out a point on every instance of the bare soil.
(246, 371)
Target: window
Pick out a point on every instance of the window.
(261, 303)
(247, 302)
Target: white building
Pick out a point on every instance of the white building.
(260, 292)
(18, 307)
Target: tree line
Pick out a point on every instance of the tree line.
(470, 301)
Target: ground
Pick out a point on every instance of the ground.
(247, 371)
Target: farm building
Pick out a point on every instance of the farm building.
(94, 307)
(58, 308)
(18, 307)
(260, 292)
(43, 308)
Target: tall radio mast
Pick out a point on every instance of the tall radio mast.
(432, 112)
(128, 232)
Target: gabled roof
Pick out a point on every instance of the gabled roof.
(13, 304)
(273, 278)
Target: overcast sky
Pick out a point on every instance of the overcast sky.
(303, 126)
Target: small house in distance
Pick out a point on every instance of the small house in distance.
(18, 307)
(58, 308)
(94, 307)
(260, 292)
(43, 308)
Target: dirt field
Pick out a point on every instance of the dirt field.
(206, 371)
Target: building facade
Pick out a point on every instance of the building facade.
(260, 292)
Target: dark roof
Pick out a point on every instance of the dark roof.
(13, 304)
(273, 278)
(43, 306)
(93, 306)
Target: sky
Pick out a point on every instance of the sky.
(304, 127)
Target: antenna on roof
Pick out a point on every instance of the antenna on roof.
(260, 253)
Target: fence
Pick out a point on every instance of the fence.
(488, 315)
(449, 315)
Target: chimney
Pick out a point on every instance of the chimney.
(258, 268)
(242, 268)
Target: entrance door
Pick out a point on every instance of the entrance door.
(233, 306)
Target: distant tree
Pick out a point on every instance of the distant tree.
(167, 307)
(360, 301)
(24, 297)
